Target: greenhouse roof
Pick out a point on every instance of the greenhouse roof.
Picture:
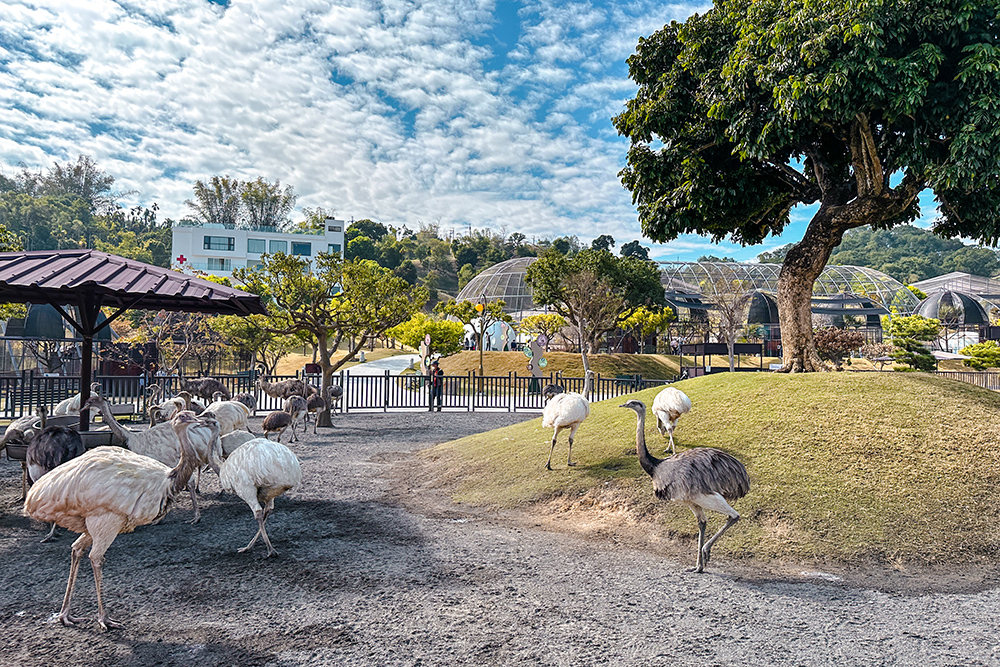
(502, 281)
(843, 282)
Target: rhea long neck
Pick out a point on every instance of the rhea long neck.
(181, 473)
(646, 460)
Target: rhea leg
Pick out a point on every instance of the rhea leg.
(572, 434)
(79, 546)
(51, 535)
(263, 528)
(194, 501)
(103, 529)
(555, 434)
(716, 503)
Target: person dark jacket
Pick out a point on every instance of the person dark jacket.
(437, 385)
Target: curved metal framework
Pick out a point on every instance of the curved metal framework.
(503, 281)
(699, 278)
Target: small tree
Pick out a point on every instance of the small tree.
(446, 336)
(467, 312)
(984, 355)
(645, 322)
(333, 301)
(908, 335)
(544, 323)
(594, 290)
(730, 302)
(253, 335)
(834, 344)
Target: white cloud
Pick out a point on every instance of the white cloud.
(401, 111)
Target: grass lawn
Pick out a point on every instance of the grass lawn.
(855, 467)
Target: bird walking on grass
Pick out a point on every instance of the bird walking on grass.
(668, 406)
(703, 478)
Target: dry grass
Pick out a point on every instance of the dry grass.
(293, 363)
(888, 467)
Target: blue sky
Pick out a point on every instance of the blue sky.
(460, 113)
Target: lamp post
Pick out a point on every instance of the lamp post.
(481, 309)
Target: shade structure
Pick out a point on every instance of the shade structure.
(91, 280)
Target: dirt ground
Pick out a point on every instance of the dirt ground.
(375, 571)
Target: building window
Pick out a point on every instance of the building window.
(220, 243)
(301, 249)
(277, 246)
(217, 264)
(251, 263)
(256, 246)
(334, 228)
(334, 247)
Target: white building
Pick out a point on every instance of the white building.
(218, 249)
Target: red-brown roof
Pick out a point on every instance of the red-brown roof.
(64, 276)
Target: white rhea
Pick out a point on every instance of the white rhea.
(564, 410)
(71, 405)
(258, 472)
(703, 478)
(231, 415)
(105, 492)
(668, 406)
(161, 443)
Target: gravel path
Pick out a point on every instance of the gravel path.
(363, 579)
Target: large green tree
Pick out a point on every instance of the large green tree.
(753, 108)
(332, 300)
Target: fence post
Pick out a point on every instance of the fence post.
(385, 402)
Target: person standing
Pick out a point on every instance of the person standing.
(436, 380)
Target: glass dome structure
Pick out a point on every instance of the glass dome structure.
(503, 281)
(954, 309)
(693, 279)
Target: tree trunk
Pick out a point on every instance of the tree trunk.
(323, 418)
(731, 344)
(802, 266)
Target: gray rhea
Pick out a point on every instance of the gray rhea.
(276, 422)
(703, 478)
(205, 388)
(52, 447)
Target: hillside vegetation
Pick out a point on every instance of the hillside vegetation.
(847, 467)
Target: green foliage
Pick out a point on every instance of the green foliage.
(908, 335)
(635, 249)
(446, 336)
(713, 258)
(910, 254)
(361, 247)
(603, 242)
(465, 275)
(407, 271)
(369, 228)
(543, 323)
(834, 344)
(218, 202)
(644, 322)
(266, 204)
(465, 311)
(332, 301)
(984, 355)
(917, 292)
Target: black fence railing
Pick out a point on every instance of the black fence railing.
(24, 394)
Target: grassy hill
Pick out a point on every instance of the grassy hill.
(655, 366)
(893, 468)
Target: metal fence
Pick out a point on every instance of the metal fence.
(989, 381)
(23, 394)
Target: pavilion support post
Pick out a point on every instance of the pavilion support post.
(86, 373)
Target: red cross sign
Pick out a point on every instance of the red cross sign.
(181, 259)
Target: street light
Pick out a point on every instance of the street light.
(481, 309)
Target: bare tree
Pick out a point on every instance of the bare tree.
(731, 301)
